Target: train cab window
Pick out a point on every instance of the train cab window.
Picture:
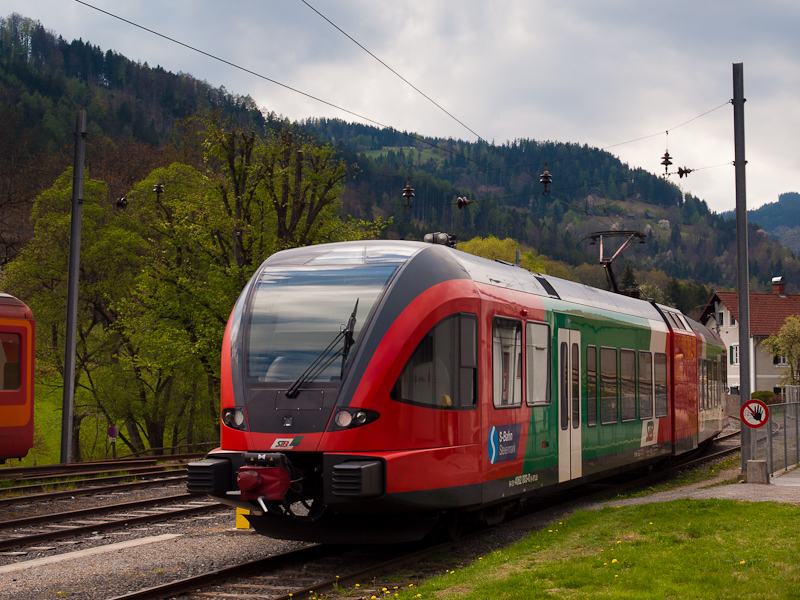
(627, 364)
(537, 363)
(645, 386)
(609, 392)
(507, 363)
(9, 361)
(442, 371)
(661, 384)
(591, 386)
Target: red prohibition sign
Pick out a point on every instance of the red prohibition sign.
(754, 413)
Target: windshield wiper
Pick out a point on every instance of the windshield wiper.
(325, 358)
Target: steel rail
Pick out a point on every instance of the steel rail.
(150, 473)
(125, 521)
(97, 510)
(88, 491)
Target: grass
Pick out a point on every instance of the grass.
(704, 549)
(692, 476)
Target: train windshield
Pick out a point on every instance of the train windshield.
(297, 313)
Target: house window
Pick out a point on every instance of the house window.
(721, 316)
(734, 354)
(733, 321)
(780, 361)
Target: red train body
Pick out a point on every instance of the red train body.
(17, 339)
(374, 390)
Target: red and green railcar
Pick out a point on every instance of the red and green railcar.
(374, 390)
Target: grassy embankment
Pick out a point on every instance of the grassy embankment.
(699, 549)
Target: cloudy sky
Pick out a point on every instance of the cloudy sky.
(595, 72)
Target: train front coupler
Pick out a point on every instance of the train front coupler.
(265, 477)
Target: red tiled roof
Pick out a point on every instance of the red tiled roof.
(768, 312)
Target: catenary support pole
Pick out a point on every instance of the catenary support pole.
(72, 291)
(742, 255)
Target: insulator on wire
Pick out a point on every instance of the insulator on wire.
(545, 179)
(122, 203)
(408, 193)
(684, 171)
(462, 203)
(666, 160)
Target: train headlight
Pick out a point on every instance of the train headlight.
(348, 418)
(235, 418)
(343, 419)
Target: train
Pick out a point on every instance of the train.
(17, 350)
(383, 391)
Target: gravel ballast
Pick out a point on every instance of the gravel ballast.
(205, 543)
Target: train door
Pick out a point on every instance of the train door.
(569, 405)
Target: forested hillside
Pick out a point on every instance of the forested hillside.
(137, 113)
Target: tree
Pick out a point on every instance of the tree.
(110, 256)
(505, 250)
(786, 343)
(627, 280)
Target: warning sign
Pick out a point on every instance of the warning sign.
(754, 413)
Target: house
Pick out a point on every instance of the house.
(768, 313)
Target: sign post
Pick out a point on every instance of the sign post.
(755, 414)
(112, 432)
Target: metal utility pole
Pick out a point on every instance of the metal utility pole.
(72, 293)
(742, 255)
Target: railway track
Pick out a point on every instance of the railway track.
(40, 529)
(324, 568)
(52, 482)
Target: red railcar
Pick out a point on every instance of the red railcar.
(17, 337)
(374, 390)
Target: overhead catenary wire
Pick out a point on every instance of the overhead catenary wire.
(368, 119)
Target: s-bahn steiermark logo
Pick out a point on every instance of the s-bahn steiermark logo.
(503, 442)
(754, 413)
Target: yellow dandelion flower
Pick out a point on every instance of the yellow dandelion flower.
(741, 562)
(613, 561)
(616, 575)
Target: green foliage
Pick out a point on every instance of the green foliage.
(158, 281)
(505, 250)
(766, 396)
(786, 343)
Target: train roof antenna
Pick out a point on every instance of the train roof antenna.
(606, 262)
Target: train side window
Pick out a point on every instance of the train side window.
(609, 388)
(537, 363)
(506, 363)
(627, 364)
(645, 386)
(591, 386)
(10, 357)
(661, 384)
(442, 370)
(701, 383)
